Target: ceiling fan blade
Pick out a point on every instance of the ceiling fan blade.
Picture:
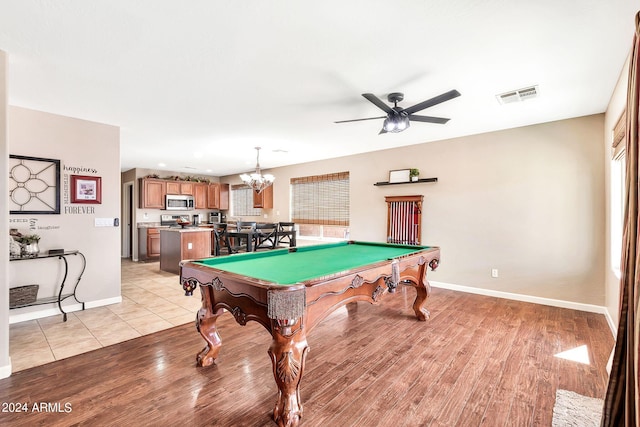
(433, 101)
(377, 102)
(359, 120)
(428, 119)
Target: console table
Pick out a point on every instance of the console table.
(61, 295)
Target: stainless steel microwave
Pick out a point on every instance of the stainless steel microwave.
(176, 202)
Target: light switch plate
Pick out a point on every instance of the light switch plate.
(103, 222)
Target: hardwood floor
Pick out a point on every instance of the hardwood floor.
(477, 361)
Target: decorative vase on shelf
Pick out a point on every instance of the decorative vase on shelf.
(31, 249)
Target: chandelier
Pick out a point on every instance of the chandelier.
(256, 180)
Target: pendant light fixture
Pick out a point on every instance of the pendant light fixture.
(256, 180)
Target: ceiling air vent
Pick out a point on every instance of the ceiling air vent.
(518, 95)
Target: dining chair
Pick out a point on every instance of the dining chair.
(242, 239)
(286, 233)
(221, 240)
(266, 236)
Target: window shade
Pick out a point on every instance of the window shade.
(321, 199)
(242, 199)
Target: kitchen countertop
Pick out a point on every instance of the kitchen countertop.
(187, 229)
(151, 225)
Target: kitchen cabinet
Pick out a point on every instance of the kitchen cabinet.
(200, 195)
(264, 199)
(152, 193)
(179, 187)
(218, 196)
(148, 243)
(213, 196)
(177, 244)
(224, 197)
(153, 243)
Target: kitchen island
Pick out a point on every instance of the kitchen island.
(177, 244)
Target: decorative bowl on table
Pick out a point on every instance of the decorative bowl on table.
(183, 224)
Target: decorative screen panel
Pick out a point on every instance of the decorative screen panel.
(34, 185)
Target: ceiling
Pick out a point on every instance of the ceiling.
(197, 87)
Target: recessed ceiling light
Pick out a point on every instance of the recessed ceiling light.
(162, 165)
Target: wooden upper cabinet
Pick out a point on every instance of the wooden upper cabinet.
(213, 196)
(177, 187)
(200, 195)
(206, 196)
(152, 193)
(264, 199)
(224, 197)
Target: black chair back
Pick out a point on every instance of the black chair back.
(286, 233)
(266, 236)
(221, 241)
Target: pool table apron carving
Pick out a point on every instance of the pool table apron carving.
(289, 312)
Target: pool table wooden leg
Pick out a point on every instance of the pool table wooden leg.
(206, 325)
(288, 353)
(423, 289)
(419, 308)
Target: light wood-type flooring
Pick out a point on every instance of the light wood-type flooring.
(478, 361)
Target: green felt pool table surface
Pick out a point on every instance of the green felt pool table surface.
(286, 267)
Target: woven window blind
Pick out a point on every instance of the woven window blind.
(242, 199)
(321, 199)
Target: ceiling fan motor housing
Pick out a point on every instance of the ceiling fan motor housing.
(395, 97)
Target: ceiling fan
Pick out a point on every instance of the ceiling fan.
(398, 118)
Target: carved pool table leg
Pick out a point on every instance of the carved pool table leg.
(423, 290)
(206, 325)
(288, 353)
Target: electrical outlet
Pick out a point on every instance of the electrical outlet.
(494, 272)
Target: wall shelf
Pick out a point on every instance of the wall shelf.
(378, 184)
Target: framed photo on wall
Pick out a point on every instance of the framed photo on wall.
(86, 189)
(399, 175)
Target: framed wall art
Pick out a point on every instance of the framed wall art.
(86, 189)
(34, 185)
(400, 175)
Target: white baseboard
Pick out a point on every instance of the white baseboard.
(53, 310)
(5, 371)
(532, 299)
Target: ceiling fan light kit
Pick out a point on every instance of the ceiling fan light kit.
(395, 123)
(256, 180)
(398, 118)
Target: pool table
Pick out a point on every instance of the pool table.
(290, 290)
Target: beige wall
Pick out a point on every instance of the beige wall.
(527, 201)
(77, 144)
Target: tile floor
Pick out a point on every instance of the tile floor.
(152, 300)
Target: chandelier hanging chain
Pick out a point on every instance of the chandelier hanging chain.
(256, 180)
